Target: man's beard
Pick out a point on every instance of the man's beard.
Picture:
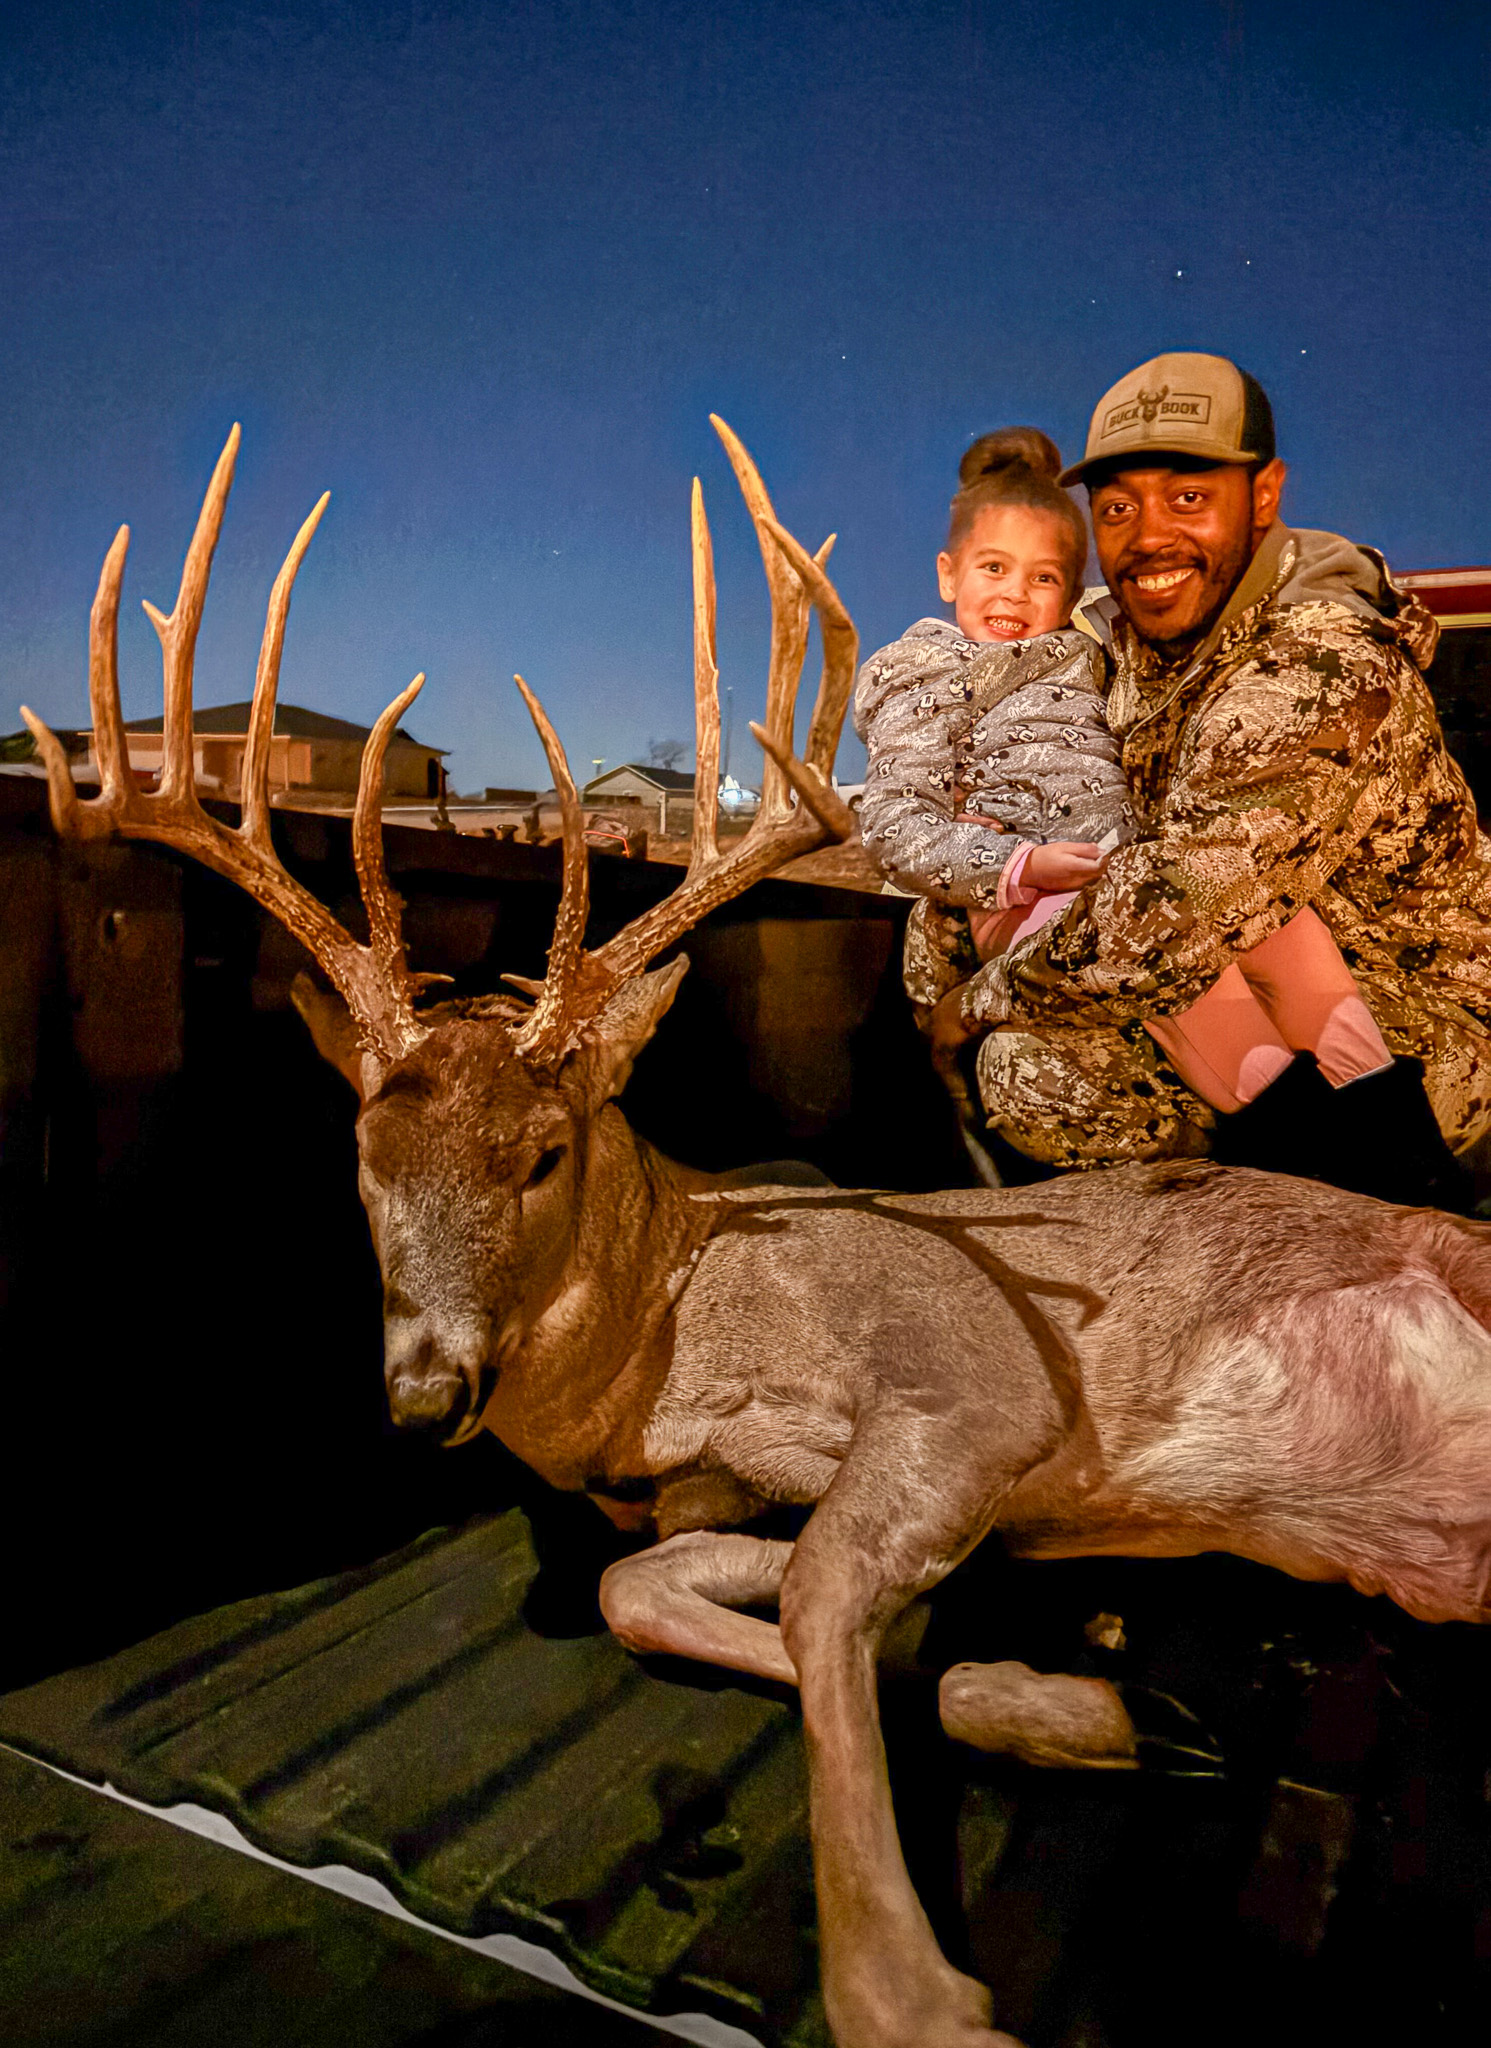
(1221, 577)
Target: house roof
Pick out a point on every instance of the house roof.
(673, 780)
(291, 721)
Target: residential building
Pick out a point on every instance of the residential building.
(308, 751)
(669, 792)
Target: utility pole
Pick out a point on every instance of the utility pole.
(729, 729)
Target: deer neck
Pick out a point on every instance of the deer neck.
(574, 1399)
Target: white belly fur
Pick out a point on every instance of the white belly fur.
(1347, 1435)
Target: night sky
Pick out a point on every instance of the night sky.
(484, 270)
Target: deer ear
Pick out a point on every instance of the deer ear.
(329, 1022)
(601, 1064)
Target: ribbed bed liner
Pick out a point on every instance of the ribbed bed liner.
(405, 1722)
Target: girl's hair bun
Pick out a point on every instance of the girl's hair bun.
(994, 454)
(1016, 466)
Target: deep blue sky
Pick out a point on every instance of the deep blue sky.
(484, 270)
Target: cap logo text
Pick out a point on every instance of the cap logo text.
(1193, 408)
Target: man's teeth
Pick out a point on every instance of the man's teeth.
(1166, 579)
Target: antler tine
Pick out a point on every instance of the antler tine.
(383, 906)
(95, 820)
(769, 845)
(70, 818)
(825, 803)
(789, 622)
(254, 779)
(109, 744)
(840, 653)
(548, 1031)
(705, 847)
(178, 633)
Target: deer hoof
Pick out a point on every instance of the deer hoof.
(1057, 1722)
(942, 2006)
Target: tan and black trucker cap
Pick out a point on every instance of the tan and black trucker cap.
(1199, 406)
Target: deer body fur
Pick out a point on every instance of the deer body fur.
(1334, 1422)
(1152, 1361)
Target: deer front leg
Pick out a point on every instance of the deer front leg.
(677, 1599)
(912, 1497)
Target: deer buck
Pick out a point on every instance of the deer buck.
(1152, 1361)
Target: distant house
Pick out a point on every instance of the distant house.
(667, 790)
(308, 751)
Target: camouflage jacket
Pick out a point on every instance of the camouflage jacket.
(1295, 758)
(1018, 727)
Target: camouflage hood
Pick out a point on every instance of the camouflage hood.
(1329, 570)
(1304, 566)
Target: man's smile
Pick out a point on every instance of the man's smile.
(1156, 581)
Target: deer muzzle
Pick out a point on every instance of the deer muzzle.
(438, 1380)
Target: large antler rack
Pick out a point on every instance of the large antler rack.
(580, 984)
(374, 980)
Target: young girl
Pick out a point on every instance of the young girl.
(994, 783)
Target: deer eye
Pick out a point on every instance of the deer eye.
(544, 1165)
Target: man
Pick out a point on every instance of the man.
(1282, 751)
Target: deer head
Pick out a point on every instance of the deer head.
(494, 1168)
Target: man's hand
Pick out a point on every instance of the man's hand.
(1063, 864)
(948, 1030)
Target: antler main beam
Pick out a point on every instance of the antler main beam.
(799, 809)
(373, 980)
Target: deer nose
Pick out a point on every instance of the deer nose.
(426, 1394)
(431, 1384)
